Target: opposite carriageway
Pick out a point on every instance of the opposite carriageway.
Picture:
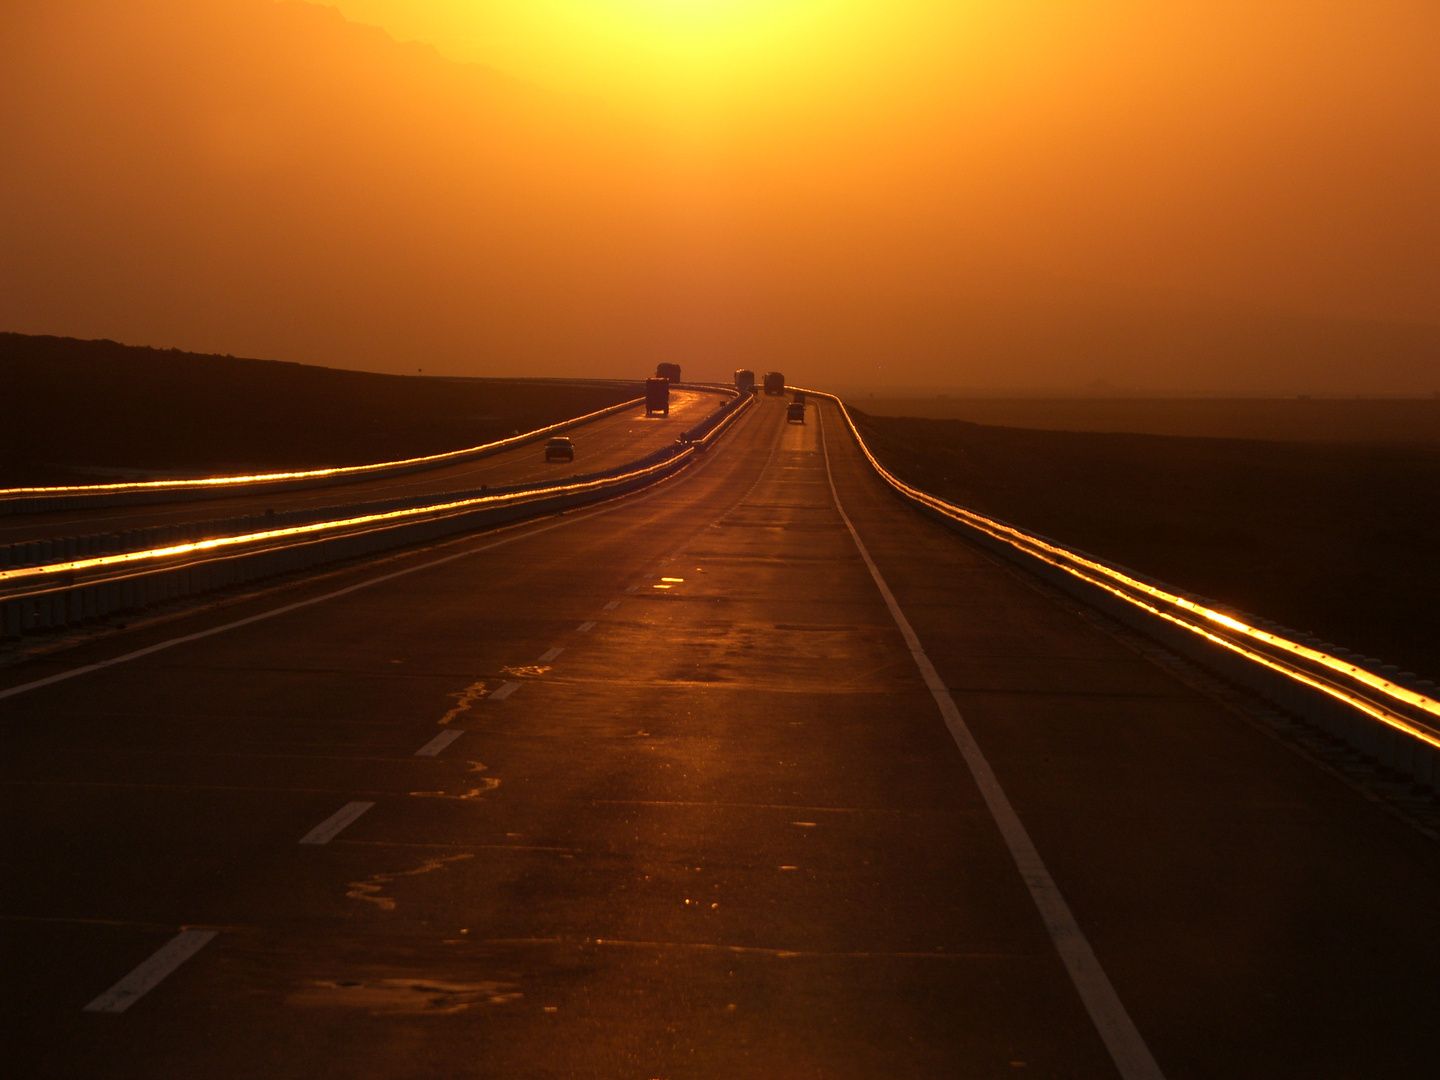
(46, 583)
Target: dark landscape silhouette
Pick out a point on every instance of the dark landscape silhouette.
(1336, 539)
(90, 411)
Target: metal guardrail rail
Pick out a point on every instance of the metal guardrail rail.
(40, 552)
(34, 500)
(61, 593)
(1382, 715)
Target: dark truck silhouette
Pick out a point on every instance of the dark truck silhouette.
(745, 381)
(668, 371)
(774, 382)
(657, 396)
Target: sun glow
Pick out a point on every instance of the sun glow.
(707, 65)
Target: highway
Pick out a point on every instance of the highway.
(730, 778)
(601, 444)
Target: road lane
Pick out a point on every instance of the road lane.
(724, 832)
(1127, 1047)
(1258, 917)
(599, 445)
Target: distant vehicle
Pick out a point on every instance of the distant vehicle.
(668, 371)
(745, 381)
(657, 396)
(800, 396)
(560, 449)
(774, 382)
(795, 412)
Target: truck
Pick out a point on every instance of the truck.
(657, 396)
(668, 371)
(745, 381)
(774, 382)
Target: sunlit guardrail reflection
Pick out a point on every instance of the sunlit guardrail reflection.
(32, 499)
(66, 591)
(1400, 709)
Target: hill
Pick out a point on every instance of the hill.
(87, 411)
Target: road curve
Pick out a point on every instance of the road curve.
(658, 789)
(602, 444)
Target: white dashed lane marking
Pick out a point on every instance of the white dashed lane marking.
(612, 605)
(332, 826)
(550, 654)
(504, 691)
(148, 975)
(438, 743)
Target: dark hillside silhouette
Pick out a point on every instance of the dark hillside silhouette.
(1332, 538)
(84, 411)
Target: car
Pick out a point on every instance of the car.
(560, 449)
(795, 412)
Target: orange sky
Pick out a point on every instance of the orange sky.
(1232, 197)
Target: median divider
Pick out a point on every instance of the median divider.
(62, 593)
(1389, 717)
(35, 500)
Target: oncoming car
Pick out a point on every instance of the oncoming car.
(560, 449)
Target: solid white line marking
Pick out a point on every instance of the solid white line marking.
(550, 654)
(148, 975)
(586, 627)
(438, 743)
(332, 826)
(612, 605)
(503, 691)
(1127, 1047)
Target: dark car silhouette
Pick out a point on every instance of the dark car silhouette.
(560, 449)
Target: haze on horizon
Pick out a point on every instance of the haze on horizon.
(1229, 198)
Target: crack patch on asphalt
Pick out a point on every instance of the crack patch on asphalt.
(464, 699)
(487, 783)
(403, 996)
(369, 890)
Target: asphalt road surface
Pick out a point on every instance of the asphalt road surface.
(659, 789)
(599, 445)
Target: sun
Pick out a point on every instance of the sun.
(672, 58)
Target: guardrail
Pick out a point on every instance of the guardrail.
(1393, 719)
(71, 591)
(33, 500)
(42, 552)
